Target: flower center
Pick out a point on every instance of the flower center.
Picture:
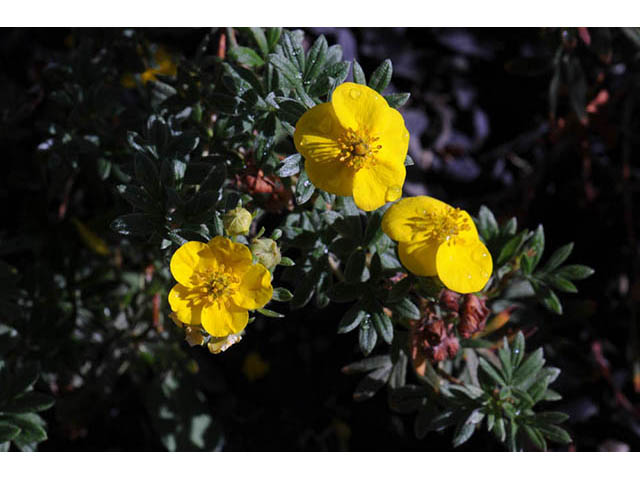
(445, 226)
(218, 283)
(358, 149)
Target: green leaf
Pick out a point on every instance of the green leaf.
(287, 69)
(561, 283)
(536, 437)
(147, 174)
(371, 384)
(286, 262)
(505, 359)
(551, 417)
(345, 292)
(408, 161)
(510, 248)
(332, 75)
(518, 349)
(281, 294)
(549, 299)
(575, 272)
(557, 258)
(290, 166)
(368, 364)
(555, 434)
(31, 429)
(8, 431)
(273, 35)
(367, 337)
(397, 100)
(29, 402)
(529, 368)
(352, 318)
(405, 308)
(316, 58)
(137, 224)
(304, 188)
(358, 74)
(491, 371)
(383, 326)
(355, 266)
(269, 313)
(381, 76)
(373, 232)
(261, 40)
(24, 379)
(290, 110)
(487, 224)
(293, 49)
(463, 432)
(551, 396)
(534, 251)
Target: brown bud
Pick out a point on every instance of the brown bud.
(431, 338)
(473, 315)
(450, 300)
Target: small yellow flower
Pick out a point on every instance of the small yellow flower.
(254, 367)
(355, 145)
(436, 239)
(162, 64)
(217, 285)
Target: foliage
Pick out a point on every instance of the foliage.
(162, 158)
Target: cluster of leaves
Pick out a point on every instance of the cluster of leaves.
(20, 423)
(517, 256)
(501, 390)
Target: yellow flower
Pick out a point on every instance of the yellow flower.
(436, 239)
(254, 367)
(162, 64)
(217, 285)
(355, 145)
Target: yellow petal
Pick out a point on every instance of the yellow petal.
(230, 254)
(464, 266)
(402, 222)
(189, 259)
(187, 304)
(358, 106)
(374, 186)
(393, 138)
(255, 288)
(220, 319)
(419, 258)
(315, 138)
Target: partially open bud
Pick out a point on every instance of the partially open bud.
(431, 338)
(450, 300)
(237, 221)
(193, 336)
(473, 315)
(266, 251)
(220, 344)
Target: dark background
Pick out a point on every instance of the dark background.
(482, 132)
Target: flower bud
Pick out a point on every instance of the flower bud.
(266, 251)
(473, 315)
(450, 300)
(220, 344)
(237, 221)
(193, 336)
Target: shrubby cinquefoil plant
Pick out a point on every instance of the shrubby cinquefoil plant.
(258, 175)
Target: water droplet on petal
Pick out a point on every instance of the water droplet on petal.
(307, 183)
(354, 93)
(394, 192)
(469, 276)
(303, 142)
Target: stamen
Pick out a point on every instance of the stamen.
(443, 226)
(216, 284)
(358, 149)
